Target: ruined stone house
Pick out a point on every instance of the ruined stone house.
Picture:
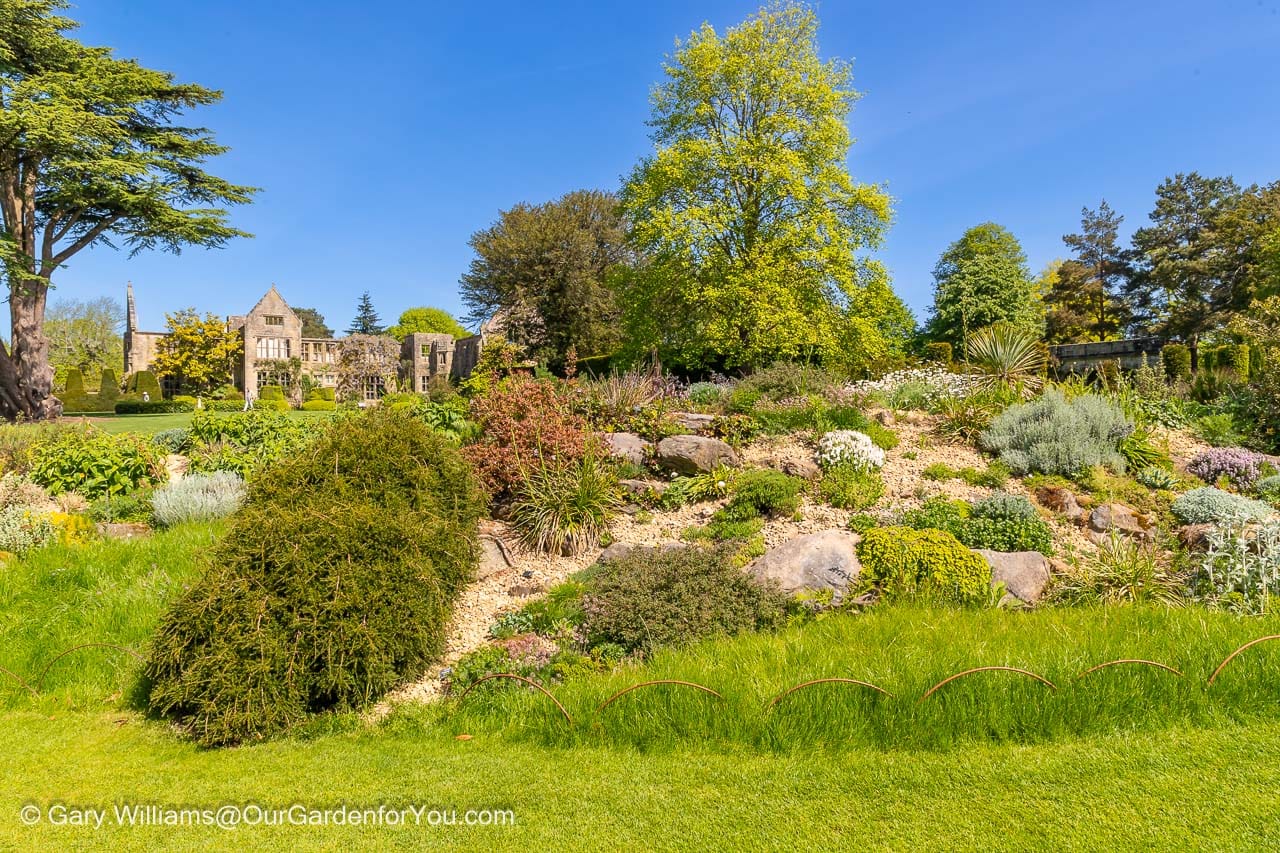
(271, 333)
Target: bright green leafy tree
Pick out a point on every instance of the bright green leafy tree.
(84, 335)
(425, 319)
(746, 215)
(198, 354)
(313, 324)
(91, 151)
(981, 278)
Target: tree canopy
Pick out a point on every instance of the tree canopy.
(426, 319)
(545, 271)
(1205, 255)
(85, 335)
(313, 324)
(981, 278)
(198, 354)
(746, 216)
(92, 151)
(1086, 302)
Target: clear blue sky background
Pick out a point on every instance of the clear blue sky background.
(384, 135)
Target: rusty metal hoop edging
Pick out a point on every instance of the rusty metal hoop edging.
(952, 678)
(64, 653)
(624, 691)
(1156, 664)
(1231, 656)
(20, 680)
(784, 694)
(521, 678)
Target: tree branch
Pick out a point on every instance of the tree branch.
(92, 234)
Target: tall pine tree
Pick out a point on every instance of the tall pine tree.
(367, 321)
(1086, 302)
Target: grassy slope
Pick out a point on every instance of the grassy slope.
(1179, 789)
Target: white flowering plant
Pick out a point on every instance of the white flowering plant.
(916, 388)
(849, 448)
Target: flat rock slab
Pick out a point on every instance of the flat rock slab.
(124, 530)
(811, 563)
(1025, 574)
(628, 446)
(1120, 519)
(694, 454)
(692, 421)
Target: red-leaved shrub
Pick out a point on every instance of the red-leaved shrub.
(523, 420)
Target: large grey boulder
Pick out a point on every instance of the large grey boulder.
(811, 563)
(1025, 574)
(694, 454)
(627, 445)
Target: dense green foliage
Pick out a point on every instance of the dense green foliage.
(95, 463)
(243, 442)
(981, 278)
(931, 565)
(652, 598)
(332, 585)
(545, 269)
(426, 319)
(1086, 301)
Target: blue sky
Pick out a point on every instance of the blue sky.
(384, 136)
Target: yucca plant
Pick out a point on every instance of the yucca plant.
(1005, 355)
(564, 508)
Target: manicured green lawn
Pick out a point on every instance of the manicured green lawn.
(1129, 758)
(1174, 789)
(151, 424)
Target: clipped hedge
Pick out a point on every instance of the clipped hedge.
(319, 406)
(332, 585)
(938, 352)
(143, 382)
(153, 407)
(926, 564)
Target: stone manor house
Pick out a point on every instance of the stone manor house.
(272, 332)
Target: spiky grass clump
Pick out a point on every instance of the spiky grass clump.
(565, 508)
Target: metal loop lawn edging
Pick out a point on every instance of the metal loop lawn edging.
(1231, 656)
(20, 680)
(1153, 663)
(977, 669)
(521, 678)
(63, 654)
(784, 694)
(626, 690)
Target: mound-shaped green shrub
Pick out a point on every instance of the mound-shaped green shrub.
(652, 597)
(925, 564)
(1000, 522)
(1054, 435)
(332, 585)
(760, 493)
(1210, 505)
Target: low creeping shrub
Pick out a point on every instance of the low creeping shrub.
(998, 523)
(653, 598)
(1268, 488)
(1053, 435)
(762, 493)
(923, 564)
(23, 529)
(851, 449)
(847, 487)
(1241, 467)
(197, 497)
(1157, 478)
(1209, 505)
(333, 584)
(176, 440)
